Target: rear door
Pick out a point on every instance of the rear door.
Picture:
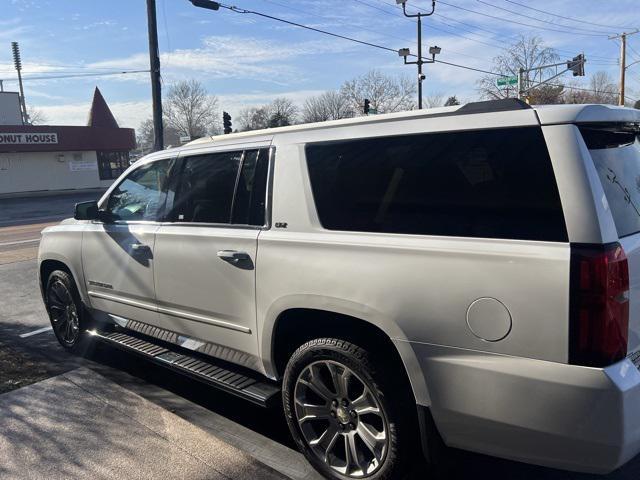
(615, 150)
(206, 255)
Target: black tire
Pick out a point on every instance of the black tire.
(67, 314)
(388, 393)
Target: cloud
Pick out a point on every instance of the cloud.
(128, 114)
(230, 56)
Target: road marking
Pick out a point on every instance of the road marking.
(19, 242)
(36, 332)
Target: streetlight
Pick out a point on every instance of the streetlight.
(208, 4)
(433, 50)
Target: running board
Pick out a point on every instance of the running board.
(259, 391)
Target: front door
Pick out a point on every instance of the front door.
(118, 253)
(206, 256)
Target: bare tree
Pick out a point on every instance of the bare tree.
(547, 95)
(36, 116)
(451, 101)
(190, 110)
(253, 118)
(386, 93)
(279, 113)
(601, 89)
(330, 105)
(604, 90)
(282, 112)
(434, 100)
(528, 52)
(145, 135)
(637, 105)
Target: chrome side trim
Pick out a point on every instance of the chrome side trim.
(203, 319)
(125, 301)
(171, 311)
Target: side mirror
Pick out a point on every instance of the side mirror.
(86, 211)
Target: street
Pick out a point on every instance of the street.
(31, 354)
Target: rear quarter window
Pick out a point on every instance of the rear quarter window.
(489, 183)
(615, 151)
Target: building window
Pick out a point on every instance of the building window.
(112, 164)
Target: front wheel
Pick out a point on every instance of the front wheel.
(65, 309)
(347, 416)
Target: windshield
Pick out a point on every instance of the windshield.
(615, 149)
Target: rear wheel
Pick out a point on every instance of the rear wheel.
(65, 309)
(349, 418)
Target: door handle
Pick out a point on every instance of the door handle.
(140, 248)
(233, 256)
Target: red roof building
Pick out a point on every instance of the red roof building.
(54, 158)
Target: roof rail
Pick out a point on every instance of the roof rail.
(488, 106)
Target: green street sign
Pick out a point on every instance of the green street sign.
(504, 81)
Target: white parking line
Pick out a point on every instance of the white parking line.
(36, 332)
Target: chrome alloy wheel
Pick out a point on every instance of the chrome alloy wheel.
(340, 419)
(63, 311)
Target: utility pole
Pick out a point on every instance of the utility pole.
(17, 62)
(156, 88)
(405, 52)
(623, 63)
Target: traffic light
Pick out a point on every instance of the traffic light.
(367, 106)
(226, 122)
(577, 65)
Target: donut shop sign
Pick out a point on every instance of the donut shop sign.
(28, 138)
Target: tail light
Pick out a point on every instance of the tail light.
(599, 305)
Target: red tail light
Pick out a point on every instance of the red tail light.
(599, 305)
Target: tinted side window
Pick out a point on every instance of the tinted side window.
(491, 183)
(142, 194)
(251, 191)
(206, 187)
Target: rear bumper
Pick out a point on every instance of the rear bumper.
(545, 413)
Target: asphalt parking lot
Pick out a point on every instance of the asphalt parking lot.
(60, 414)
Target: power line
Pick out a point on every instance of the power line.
(331, 19)
(591, 31)
(345, 37)
(494, 34)
(407, 41)
(565, 17)
(503, 19)
(79, 75)
(439, 29)
(166, 26)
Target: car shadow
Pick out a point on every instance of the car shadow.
(109, 362)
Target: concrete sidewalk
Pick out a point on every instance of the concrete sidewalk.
(80, 425)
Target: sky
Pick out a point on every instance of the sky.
(248, 60)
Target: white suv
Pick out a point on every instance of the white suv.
(467, 273)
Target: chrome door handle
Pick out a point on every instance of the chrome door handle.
(140, 248)
(233, 256)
